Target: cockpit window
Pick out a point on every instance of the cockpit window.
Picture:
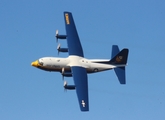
(40, 62)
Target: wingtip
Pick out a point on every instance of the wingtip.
(84, 110)
(67, 12)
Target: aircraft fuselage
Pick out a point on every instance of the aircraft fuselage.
(58, 64)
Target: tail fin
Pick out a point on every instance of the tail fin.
(119, 58)
(115, 51)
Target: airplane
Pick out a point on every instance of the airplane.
(77, 66)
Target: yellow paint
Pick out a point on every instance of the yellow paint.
(118, 59)
(67, 19)
(35, 64)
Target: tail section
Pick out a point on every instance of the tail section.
(120, 73)
(115, 51)
(119, 58)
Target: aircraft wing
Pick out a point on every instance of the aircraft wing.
(81, 83)
(74, 45)
(79, 73)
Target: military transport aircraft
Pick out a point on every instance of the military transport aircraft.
(76, 66)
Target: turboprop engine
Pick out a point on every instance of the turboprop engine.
(59, 36)
(69, 87)
(66, 74)
(61, 49)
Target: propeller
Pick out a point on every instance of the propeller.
(58, 48)
(59, 36)
(63, 70)
(56, 36)
(65, 84)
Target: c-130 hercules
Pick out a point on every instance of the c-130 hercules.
(76, 66)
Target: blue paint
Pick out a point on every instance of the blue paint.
(74, 45)
(115, 51)
(81, 82)
(120, 72)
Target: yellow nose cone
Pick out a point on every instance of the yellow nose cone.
(35, 64)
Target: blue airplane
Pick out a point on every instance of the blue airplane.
(76, 66)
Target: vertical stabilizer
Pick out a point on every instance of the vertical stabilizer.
(115, 51)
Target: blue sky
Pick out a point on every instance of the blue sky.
(27, 31)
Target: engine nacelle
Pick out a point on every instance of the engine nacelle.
(61, 49)
(66, 74)
(69, 87)
(60, 36)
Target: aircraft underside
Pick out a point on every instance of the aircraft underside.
(68, 69)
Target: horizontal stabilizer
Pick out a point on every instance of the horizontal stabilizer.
(120, 73)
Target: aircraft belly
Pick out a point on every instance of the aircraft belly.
(55, 68)
(95, 67)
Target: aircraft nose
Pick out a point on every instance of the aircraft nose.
(35, 63)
